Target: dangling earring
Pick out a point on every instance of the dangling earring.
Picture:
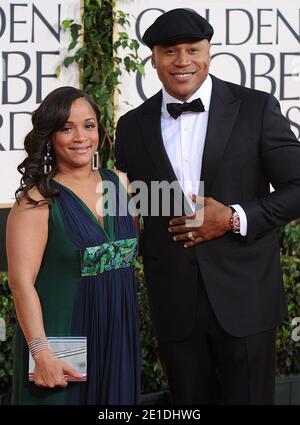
(47, 160)
(95, 161)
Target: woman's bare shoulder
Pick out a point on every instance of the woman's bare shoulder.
(122, 176)
(23, 204)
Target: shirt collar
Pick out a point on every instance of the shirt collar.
(204, 92)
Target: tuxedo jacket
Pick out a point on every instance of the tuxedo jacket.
(248, 145)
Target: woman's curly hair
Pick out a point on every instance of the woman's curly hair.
(51, 116)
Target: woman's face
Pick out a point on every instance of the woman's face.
(77, 141)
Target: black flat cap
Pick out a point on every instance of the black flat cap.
(177, 24)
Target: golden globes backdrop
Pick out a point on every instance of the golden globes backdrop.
(32, 45)
(256, 44)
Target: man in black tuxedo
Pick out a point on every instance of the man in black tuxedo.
(215, 290)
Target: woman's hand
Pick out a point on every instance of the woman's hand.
(49, 371)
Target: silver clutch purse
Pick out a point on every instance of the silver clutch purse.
(72, 350)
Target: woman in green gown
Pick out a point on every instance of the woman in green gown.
(71, 265)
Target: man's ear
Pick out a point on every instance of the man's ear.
(153, 59)
(209, 53)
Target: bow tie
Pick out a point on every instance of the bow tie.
(176, 109)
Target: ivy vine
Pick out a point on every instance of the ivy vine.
(99, 61)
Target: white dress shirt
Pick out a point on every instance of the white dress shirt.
(184, 140)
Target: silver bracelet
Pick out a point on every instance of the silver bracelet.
(38, 344)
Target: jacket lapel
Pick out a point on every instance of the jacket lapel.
(152, 137)
(223, 111)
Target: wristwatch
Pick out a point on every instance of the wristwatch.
(234, 221)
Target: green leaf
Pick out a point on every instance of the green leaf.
(75, 28)
(87, 22)
(57, 71)
(87, 71)
(140, 68)
(123, 35)
(72, 45)
(80, 54)
(68, 60)
(110, 163)
(95, 77)
(67, 23)
(134, 45)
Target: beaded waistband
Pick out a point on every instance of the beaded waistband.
(108, 256)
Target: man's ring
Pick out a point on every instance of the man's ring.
(190, 236)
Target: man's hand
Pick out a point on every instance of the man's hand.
(209, 222)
